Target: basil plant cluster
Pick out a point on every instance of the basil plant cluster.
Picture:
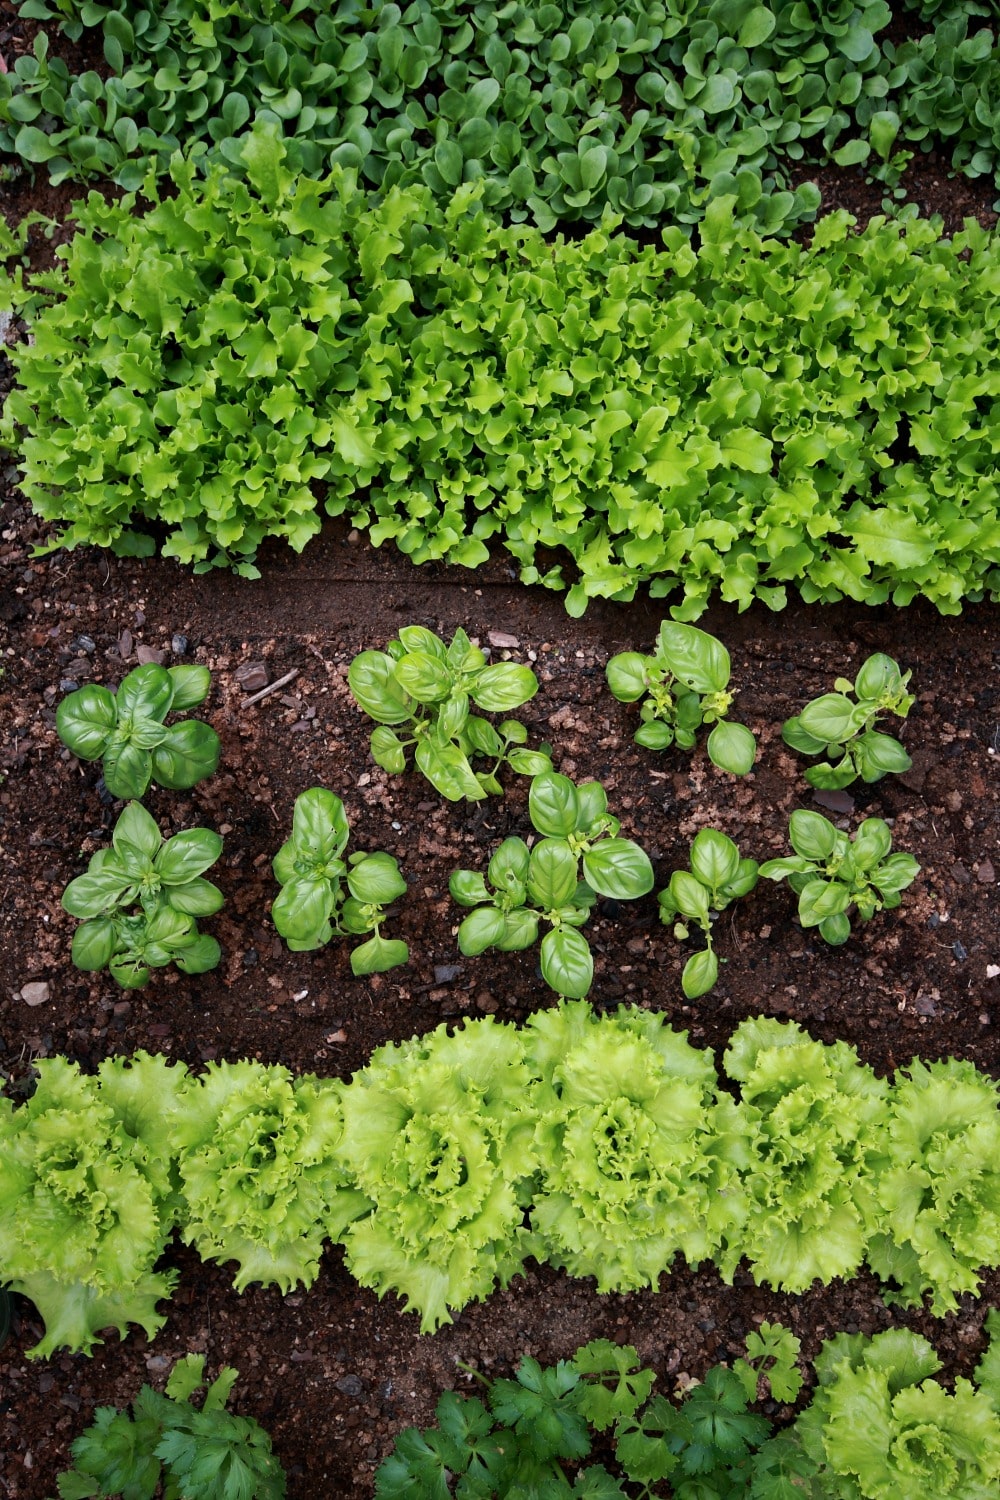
(126, 730)
(841, 725)
(140, 900)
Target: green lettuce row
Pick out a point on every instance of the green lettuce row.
(654, 107)
(724, 421)
(601, 1143)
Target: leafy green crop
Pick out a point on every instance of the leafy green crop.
(428, 687)
(839, 728)
(682, 686)
(199, 1453)
(831, 872)
(717, 876)
(728, 421)
(578, 857)
(312, 904)
(163, 878)
(126, 732)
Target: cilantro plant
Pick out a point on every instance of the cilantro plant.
(556, 881)
(718, 876)
(140, 900)
(832, 873)
(843, 728)
(421, 693)
(200, 1453)
(683, 685)
(322, 894)
(125, 730)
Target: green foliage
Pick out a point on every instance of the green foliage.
(578, 857)
(772, 1354)
(313, 903)
(683, 685)
(203, 1453)
(842, 729)
(163, 879)
(425, 688)
(717, 877)
(125, 730)
(831, 872)
(951, 94)
(728, 420)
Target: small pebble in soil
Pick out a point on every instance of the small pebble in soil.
(445, 973)
(960, 952)
(150, 656)
(35, 993)
(84, 643)
(350, 1385)
(252, 676)
(178, 644)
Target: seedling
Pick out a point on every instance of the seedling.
(125, 730)
(313, 903)
(422, 684)
(160, 877)
(555, 881)
(843, 729)
(683, 686)
(717, 876)
(831, 872)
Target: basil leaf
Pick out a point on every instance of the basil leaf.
(700, 973)
(481, 929)
(187, 855)
(371, 678)
(566, 963)
(189, 686)
(618, 868)
(553, 804)
(301, 912)
(732, 748)
(188, 754)
(552, 874)
(376, 880)
(85, 720)
(504, 686)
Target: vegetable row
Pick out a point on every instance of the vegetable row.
(653, 109)
(603, 1143)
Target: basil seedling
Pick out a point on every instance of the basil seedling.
(683, 685)
(140, 899)
(843, 729)
(555, 881)
(425, 689)
(125, 730)
(323, 894)
(717, 876)
(831, 873)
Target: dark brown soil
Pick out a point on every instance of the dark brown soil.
(333, 1374)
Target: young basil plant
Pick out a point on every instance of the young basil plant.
(682, 686)
(323, 894)
(421, 693)
(125, 730)
(717, 876)
(140, 900)
(831, 873)
(842, 728)
(555, 881)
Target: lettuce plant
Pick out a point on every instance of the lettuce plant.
(844, 729)
(87, 1197)
(258, 1161)
(428, 687)
(555, 881)
(163, 878)
(718, 875)
(202, 1453)
(831, 873)
(683, 685)
(125, 730)
(938, 1183)
(810, 1117)
(633, 1166)
(438, 1135)
(313, 904)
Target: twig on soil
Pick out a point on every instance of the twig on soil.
(271, 688)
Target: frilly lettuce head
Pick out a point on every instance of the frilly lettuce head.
(257, 1156)
(880, 1429)
(631, 1169)
(939, 1183)
(437, 1133)
(85, 1200)
(811, 1115)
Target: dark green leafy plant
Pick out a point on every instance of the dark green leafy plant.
(140, 899)
(125, 730)
(421, 691)
(196, 1453)
(313, 903)
(843, 728)
(718, 875)
(555, 881)
(683, 686)
(831, 873)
